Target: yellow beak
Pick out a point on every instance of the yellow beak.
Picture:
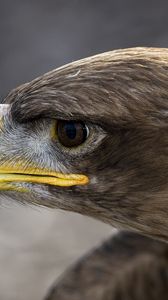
(9, 174)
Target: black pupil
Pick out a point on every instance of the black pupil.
(70, 130)
(71, 133)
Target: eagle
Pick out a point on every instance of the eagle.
(91, 137)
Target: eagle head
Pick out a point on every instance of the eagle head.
(92, 137)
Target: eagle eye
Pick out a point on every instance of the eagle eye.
(72, 133)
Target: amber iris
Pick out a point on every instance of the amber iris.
(72, 133)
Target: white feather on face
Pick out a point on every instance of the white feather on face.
(4, 108)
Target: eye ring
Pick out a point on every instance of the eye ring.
(72, 133)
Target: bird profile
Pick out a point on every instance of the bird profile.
(91, 137)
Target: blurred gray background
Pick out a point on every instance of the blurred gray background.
(37, 244)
